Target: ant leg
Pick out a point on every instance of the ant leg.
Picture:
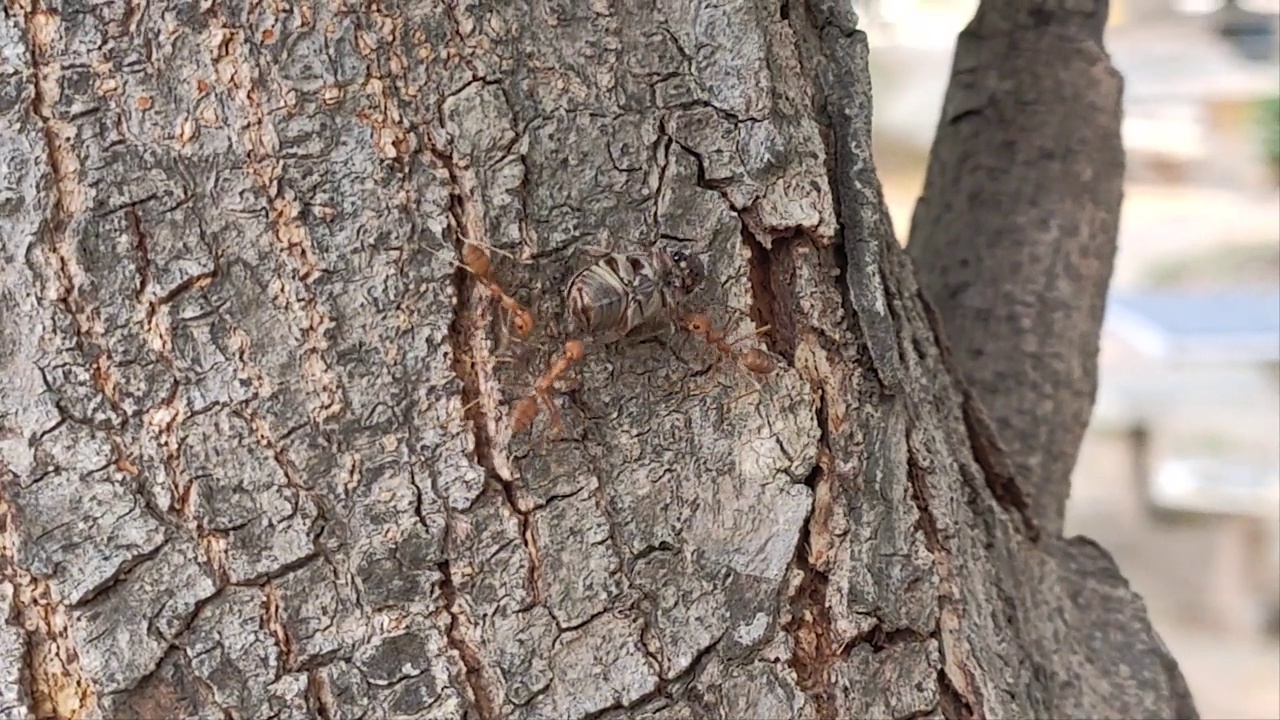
(748, 393)
(674, 323)
(524, 412)
(521, 318)
(687, 323)
(593, 250)
(456, 415)
(553, 413)
(700, 325)
(754, 333)
(474, 257)
(512, 314)
(755, 360)
(675, 344)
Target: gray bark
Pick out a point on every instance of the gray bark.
(1015, 234)
(235, 353)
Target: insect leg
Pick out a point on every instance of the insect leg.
(557, 420)
(754, 359)
(594, 251)
(459, 414)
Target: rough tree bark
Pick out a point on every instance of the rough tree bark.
(1015, 234)
(235, 352)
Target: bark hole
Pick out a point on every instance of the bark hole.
(771, 278)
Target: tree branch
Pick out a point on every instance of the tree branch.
(1015, 234)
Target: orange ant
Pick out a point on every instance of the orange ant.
(754, 359)
(476, 260)
(526, 409)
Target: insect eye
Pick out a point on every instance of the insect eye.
(680, 257)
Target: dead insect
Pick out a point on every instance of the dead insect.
(622, 292)
(616, 296)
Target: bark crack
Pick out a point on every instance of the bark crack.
(69, 199)
(661, 163)
(117, 576)
(141, 248)
(52, 679)
(769, 289)
(158, 330)
(472, 358)
(213, 547)
(771, 278)
(817, 648)
(320, 695)
(461, 27)
(392, 138)
(810, 627)
(457, 634)
(469, 351)
(163, 418)
(664, 688)
(274, 624)
(771, 273)
(830, 48)
(51, 674)
(880, 639)
(959, 694)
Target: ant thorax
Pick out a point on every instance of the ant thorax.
(621, 292)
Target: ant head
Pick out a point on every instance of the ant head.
(522, 321)
(686, 271)
(697, 324)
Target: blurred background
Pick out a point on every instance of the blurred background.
(1180, 474)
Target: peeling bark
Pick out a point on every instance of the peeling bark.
(255, 417)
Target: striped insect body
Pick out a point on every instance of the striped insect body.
(622, 292)
(609, 299)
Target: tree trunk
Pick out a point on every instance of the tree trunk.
(1015, 234)
(254, 419)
